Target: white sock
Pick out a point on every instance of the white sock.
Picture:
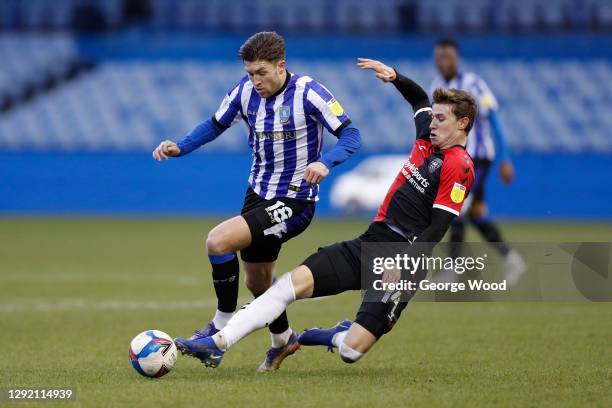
(259, 313)
(280, 339)
(348, 354)
(221, 319)
(338, 338)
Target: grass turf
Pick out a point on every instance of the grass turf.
(74, 292)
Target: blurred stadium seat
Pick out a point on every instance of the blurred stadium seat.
(30, 61)
(130, 106)
(309, 15)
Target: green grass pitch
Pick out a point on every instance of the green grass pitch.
(74, 292)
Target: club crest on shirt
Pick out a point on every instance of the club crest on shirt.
(457, 193)
(284, 113)
(434, 165)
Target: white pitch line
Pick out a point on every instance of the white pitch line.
(29, 305)
(28, 276)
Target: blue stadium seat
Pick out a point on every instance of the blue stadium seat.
(306, 15)
(546, 105)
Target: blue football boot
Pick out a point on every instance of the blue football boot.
(323, 337)
(202, 348)
(206, 331)
(276, 355)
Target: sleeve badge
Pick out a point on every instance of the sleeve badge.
(457, 193)
(335, 107)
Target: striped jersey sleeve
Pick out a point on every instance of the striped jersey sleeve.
(322, 105)
(230, 110)
(484, 96)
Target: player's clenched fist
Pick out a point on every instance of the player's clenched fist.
(166, 149)
(382, 71)
(315, 173)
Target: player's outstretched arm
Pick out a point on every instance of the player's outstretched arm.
(410, 90)
(205, 132)
(383, 72)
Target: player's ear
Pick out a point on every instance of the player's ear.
(281, 65)
(462, 123)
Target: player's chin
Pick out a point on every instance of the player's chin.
(263, 93)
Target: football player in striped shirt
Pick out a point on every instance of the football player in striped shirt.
(286, 115)
(488, 142)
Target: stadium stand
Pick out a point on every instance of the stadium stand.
(31, 62)
(311, 15)
(130, 106)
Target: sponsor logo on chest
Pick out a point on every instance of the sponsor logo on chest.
(414, 177)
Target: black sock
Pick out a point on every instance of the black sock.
(280, 325)
(225, 271)
(491, 233)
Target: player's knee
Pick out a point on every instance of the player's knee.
(348, 354)
(215, 244)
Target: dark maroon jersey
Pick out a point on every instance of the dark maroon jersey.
(430, 179)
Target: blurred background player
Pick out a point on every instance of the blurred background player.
(487, 143)
(285, 114)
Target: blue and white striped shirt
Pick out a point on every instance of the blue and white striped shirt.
(480, 142)
(285, 132)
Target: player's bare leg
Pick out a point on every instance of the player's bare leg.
(258, 276)
(230, 236)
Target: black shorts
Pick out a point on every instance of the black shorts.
(337, 268)
(481, 171)
(271, 223)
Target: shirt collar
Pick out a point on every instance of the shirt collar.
(282, 88)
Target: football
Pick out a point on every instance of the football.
(152, 353)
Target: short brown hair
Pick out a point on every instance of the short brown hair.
(266, 46)
(462, 104)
